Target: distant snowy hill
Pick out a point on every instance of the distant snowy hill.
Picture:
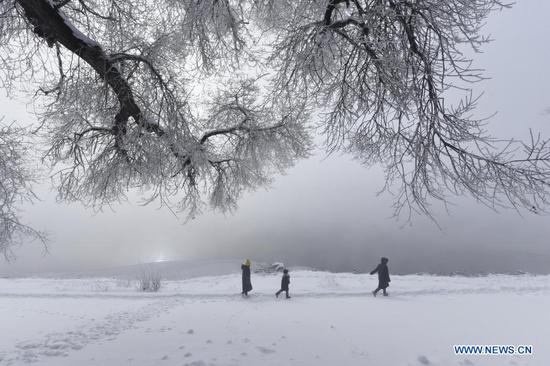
(171, 270)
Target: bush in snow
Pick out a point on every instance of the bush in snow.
(100, 286)
(149, 280)
(277, 267)
(271, 268)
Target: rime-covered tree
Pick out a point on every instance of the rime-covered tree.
(194, 101)
(383, 72)
(15, 187)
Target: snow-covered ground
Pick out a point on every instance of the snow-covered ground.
(332, 319)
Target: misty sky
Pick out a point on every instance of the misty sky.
(325, 212)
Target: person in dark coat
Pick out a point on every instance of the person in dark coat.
(383, 276)
(247, 284)
(285, 281)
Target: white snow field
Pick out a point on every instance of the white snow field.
(332, 319)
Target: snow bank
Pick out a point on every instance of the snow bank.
(331, 319)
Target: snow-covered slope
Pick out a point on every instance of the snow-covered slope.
(332, 319)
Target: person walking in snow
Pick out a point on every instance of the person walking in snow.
(383, 276)
(285, 281)
(247, 284)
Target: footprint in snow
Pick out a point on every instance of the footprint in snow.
(190, 331)
(188, 354)
(164, 358)
(265, 350)
(209, 341)
(195, 363)
(246, 340)
(423, 360)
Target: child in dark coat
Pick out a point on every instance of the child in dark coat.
(285, 281)
(383, 276)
